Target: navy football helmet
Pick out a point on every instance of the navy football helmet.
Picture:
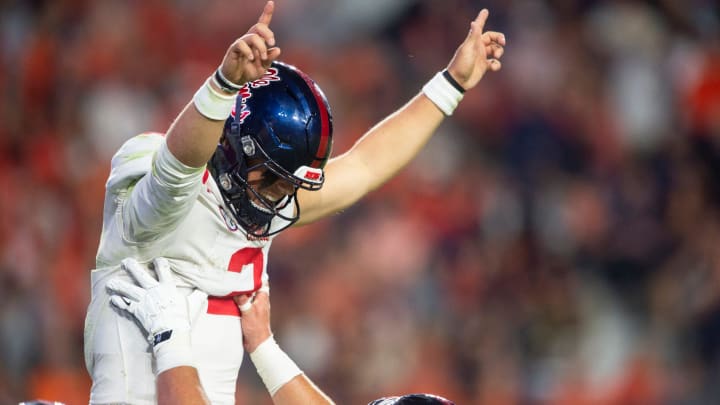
(281, 125)
(413, 399)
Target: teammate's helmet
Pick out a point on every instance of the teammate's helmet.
(281, 123)
(413, 399)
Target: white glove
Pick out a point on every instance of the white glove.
(160, 308)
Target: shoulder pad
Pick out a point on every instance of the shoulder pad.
(133, 160)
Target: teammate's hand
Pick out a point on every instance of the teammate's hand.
(479, 52)
(161, 309)
(255, 318)
(250, 56)
(157, 305)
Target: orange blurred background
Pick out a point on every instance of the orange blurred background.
(555, 243)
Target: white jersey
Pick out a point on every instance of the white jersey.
(156, 206)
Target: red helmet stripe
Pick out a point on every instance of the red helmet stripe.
(324, 120)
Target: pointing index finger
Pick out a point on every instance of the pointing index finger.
(477, 26)
(481, 19)
(267, 13)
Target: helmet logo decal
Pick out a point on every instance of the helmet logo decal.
(271, 75)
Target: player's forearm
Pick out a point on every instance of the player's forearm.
(180, 386)
(395, 141)
(300, 391)
(192, 138)
(375, 158)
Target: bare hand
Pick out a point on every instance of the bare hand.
(480, 52)
(250, 56)
(255, 320)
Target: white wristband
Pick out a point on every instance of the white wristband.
(274, 366)
(442, 93)
(212, 104)
(174, 352)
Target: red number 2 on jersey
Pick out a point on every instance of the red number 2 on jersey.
(226, 305)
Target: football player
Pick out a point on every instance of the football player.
(247, 157)
(154, 304)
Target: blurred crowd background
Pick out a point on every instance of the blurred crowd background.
(557, 242)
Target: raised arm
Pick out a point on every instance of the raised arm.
(392, 143)
(193, 136)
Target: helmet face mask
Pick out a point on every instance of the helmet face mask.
(249, 207)
(281, 129)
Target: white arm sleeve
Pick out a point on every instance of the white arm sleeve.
(158, 202)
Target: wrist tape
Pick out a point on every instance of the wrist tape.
(212, 104)
(444, 92)
(273, 365)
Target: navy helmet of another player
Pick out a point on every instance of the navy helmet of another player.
(40, 402)
(413, 399)
(282, 126)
